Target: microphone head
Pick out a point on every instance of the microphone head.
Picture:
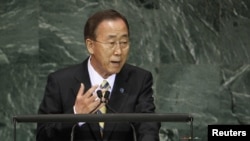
(99, 93)
(106, 95)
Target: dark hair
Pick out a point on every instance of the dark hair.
(93, 22)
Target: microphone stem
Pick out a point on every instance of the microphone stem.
(72, 132)
(134, 133)
(95, 108)
(73, 128)
(106, 101)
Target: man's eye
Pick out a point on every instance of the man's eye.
(123, 43)
(112, 43)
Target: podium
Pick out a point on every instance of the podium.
(114, 117)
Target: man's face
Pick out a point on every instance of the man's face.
(110, 49)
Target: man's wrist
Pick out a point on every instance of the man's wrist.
(79, 123)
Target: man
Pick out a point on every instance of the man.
(74, 90)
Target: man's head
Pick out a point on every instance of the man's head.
(93, 22)
(106, 36)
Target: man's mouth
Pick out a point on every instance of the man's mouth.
(115, 62)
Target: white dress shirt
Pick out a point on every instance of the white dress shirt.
(96, 79)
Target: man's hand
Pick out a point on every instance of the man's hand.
(87, 103)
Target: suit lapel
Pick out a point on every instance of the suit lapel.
(118, 99)
(121, 90)
(82, 76)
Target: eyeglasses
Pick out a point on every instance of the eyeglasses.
(112, 45)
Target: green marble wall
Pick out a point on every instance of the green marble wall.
(197, 50)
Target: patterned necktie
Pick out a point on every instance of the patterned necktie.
(104, 87)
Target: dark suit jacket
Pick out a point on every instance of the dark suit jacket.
(132, 93)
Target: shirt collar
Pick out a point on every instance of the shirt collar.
(96, 78)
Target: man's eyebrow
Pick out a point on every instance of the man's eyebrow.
(125, 35)
(114, 36)
(111, 36)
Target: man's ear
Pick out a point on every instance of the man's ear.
(90, 45)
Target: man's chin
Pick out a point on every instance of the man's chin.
(115, 71)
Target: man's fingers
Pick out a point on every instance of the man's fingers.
(88, 101)
(81, 90)
(90, 91)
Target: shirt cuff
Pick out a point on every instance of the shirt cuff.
(79, 123)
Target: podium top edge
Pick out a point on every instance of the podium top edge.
(109, 117)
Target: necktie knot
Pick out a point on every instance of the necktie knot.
(105, 85)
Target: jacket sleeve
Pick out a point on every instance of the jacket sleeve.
(52, 104)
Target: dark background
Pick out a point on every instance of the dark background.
(197, 50)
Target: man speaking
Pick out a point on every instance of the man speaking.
(102, 83)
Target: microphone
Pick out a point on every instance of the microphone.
(106, 96)
(99, 94)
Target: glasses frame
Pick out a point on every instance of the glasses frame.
(113, 45)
